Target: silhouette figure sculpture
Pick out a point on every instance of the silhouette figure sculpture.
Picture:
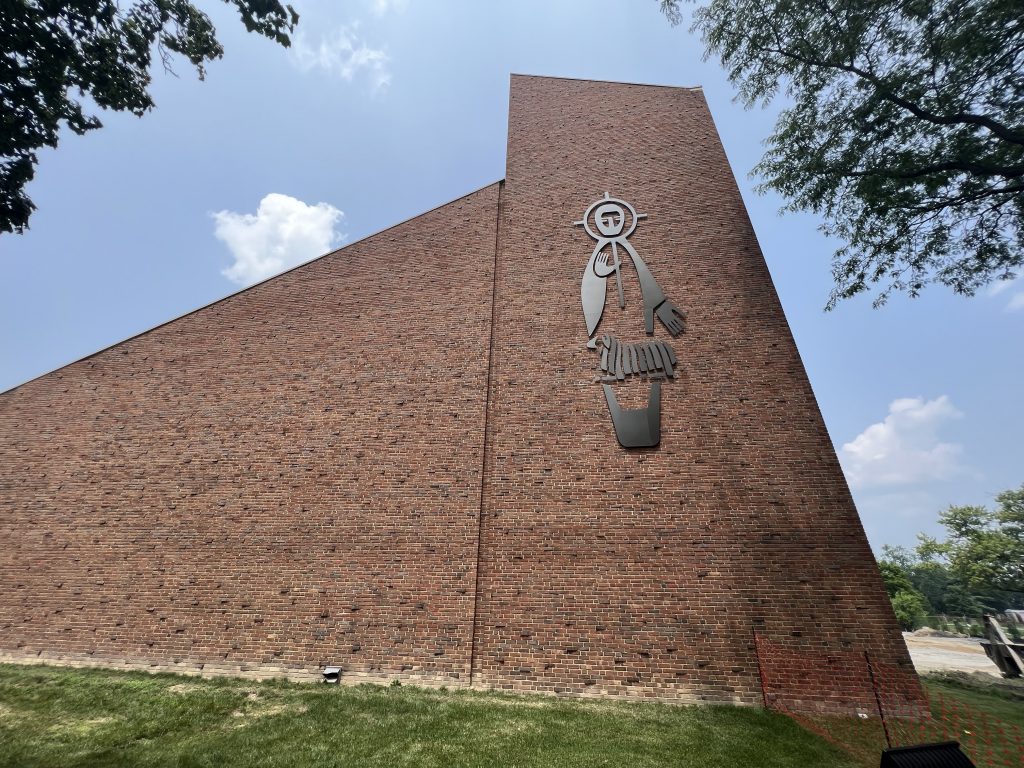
(655, 361)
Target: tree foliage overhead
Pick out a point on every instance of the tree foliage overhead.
(53, 54)
(905, 129)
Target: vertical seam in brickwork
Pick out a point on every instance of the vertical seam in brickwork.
(483, 452)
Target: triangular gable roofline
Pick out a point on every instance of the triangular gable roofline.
(249, 287)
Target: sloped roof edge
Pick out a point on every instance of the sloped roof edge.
(250, 287)
(611, 82)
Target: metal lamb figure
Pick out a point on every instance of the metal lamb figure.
(634, 428)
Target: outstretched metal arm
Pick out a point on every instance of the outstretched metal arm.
(654, 298)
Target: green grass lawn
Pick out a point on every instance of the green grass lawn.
(985, 714)
(86, 717)
(1006, 705)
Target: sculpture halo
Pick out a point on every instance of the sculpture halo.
(585, 222)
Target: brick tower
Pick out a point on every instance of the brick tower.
(443, 469)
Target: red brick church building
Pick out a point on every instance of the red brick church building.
(554, 435)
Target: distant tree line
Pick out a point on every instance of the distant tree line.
(978, 569)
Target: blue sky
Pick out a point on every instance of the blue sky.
(383, 109)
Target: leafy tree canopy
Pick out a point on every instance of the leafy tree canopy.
(935, 583)
(910, 609)
(978, 568)
(905, 129)
(984, 548)
(53, 54)
(895, 578)
(908, 603)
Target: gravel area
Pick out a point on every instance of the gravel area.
(948, 654)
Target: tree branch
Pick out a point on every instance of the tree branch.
(958, 118)
(1009, 172)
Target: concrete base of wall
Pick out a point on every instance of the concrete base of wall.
(247, 671)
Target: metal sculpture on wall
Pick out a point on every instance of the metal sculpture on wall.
(614, 221)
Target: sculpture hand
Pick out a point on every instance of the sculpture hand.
(601, 266)
(672, 316)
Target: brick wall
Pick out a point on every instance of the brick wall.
(352, 463)
(290, 476)
(644, 572)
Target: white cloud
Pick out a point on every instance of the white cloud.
(1016, 302)
(905, 448)
(1001, 286)
(284, 232)
(342, 54)
(381, 7)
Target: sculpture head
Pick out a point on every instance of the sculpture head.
(613, 217)
(610, 219)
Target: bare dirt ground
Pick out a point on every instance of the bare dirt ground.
(948, 654)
